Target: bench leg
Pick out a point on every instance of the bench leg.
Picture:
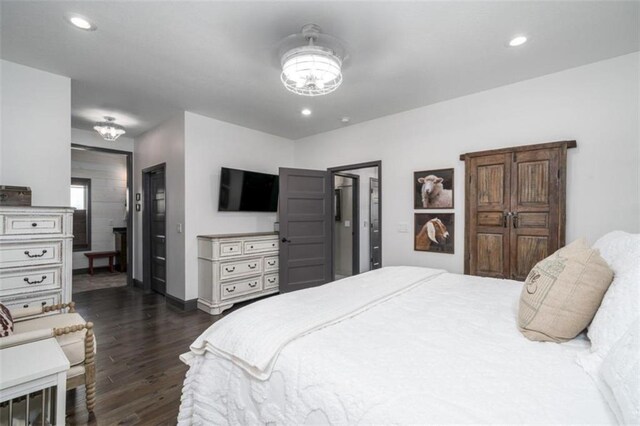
(111, 264)
(91, 266)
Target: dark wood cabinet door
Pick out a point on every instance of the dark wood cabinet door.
(535, 192)
(488, 203)
(515, 208)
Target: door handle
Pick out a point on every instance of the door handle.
(505, 218)
(285, 240)
(515, 219)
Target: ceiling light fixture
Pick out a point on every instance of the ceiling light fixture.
(80, 22)
(108, 129)
(345, 120)
(518, 41)
(305, 112)
(311, 62)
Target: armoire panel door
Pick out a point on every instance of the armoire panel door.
(535, 203)
(488, 199)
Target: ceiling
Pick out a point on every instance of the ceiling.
(148, 59)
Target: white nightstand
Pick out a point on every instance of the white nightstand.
(33, 367)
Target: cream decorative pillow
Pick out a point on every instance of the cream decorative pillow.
(562, 293)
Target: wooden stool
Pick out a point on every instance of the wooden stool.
(99, 255)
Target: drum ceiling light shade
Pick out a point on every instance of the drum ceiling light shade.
(108, 129)
(311, 69)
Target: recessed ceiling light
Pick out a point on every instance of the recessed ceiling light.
(81, 22)
(305, 111)
(518, 41)
(345, 119)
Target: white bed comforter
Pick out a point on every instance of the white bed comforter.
(442, 349)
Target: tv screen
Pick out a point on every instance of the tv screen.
(244, 191)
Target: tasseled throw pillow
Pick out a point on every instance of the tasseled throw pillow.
(562, 293)
(6, 321)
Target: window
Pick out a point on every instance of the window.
(81, 201)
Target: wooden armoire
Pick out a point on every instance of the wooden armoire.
(514, 208)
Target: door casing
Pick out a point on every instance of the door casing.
(346, 168)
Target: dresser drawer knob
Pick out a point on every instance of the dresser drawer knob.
(44, 277)
(252, 266)
(230, 289)
(233, 268)
(34, 224)
(253, 284)
(28, 253)
(251, 247)
(25, 306)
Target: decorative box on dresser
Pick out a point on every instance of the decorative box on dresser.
(35, 256)
(236, 267)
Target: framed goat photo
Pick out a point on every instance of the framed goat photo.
(433, 189)
(434, 232)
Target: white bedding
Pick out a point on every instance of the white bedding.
(443, 351)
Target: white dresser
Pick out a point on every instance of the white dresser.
(35, 256)
(236, 267)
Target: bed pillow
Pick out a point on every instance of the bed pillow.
(621, 374)
(562, 293)
(6, 321)
(621, 250)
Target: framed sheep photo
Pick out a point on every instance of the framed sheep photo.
(433, 189)
(434, 232)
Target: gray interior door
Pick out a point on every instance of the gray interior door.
(306, 218)
(155, 225)
(374, 224)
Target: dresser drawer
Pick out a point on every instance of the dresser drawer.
(239, 288)
(30, 254)
(271, 281)
(18, 304)
(239, 268)
(260, 246)
(271, 263)
(231, 248)
(30, 225)
(27, 280)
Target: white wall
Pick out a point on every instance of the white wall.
(108, 174)
(92, 138)
(210, 145)
(164, 144)
(36, 126)
(597, 105)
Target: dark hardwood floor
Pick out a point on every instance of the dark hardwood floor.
(139, 338)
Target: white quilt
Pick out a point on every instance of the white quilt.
(444, 350)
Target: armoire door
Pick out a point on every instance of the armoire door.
(488, 201)
(515, 208)
(535, 204)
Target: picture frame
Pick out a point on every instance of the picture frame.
(433, 189)
(434, 232)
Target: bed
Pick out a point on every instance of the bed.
(401, 345)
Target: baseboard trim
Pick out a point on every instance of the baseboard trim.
(183, 305)
(138, 284)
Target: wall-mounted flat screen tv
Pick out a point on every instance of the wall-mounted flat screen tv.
(245, 191)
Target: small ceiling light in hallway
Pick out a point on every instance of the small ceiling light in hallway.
(108, 129)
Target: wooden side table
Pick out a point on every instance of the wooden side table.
(34, 367)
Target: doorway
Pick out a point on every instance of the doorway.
(346, 233)
(154, 227)
(357, 207)
(101, 192)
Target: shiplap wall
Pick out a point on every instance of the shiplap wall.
(108, 174)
